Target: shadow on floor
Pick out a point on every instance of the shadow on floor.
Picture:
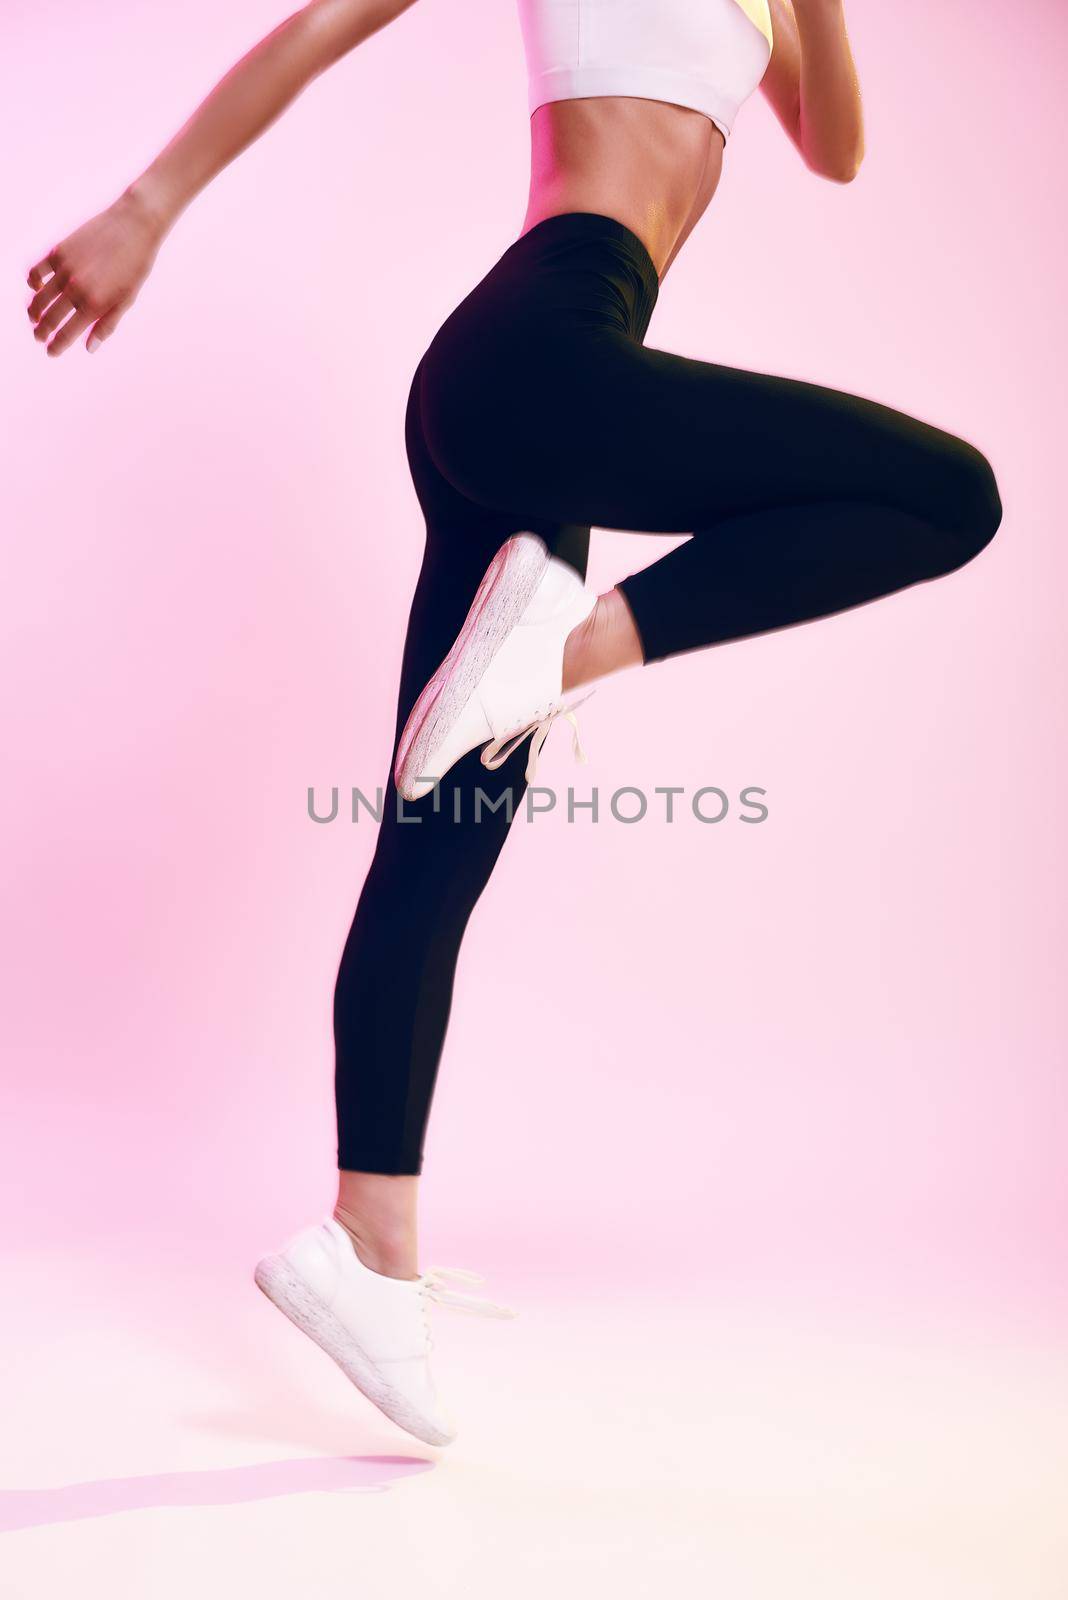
(215, 1486)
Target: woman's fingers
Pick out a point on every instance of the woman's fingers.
(60, 309)
(105, 327)
(43, 298)
(63, 311)
(40, 271)
(70, 331)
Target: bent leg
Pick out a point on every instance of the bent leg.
(802, 500)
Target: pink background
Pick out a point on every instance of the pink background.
(823, 1050)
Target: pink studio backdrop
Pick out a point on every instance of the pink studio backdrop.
(828, 1048)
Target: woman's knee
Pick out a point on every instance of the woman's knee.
(972, 503)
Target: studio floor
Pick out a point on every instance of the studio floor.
(168, 1434)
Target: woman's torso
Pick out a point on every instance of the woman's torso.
(652, 166)
(601, 142)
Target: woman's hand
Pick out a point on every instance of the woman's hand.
(95, 273)
(93, 277)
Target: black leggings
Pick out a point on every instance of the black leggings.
(537, 406)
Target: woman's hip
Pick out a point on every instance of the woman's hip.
(570, 275)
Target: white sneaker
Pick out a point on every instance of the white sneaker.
(375, 1327)
(503, 677)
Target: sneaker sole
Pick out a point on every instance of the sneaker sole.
(288, 1291)
(503, 595)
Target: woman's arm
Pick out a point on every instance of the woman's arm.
(811, 84)
(97, 271)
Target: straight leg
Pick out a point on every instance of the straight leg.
(395, 982)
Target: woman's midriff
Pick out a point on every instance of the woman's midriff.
(652, 166)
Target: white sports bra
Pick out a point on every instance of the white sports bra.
(706, 54)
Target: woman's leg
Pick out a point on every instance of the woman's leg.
(431, 863)
(537, 407)
(802, 500)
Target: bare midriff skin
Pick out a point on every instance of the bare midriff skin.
(652, 166)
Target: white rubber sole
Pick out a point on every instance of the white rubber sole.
(288, 1291)
(503, 595)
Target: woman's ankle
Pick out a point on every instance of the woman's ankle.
(605, 641)
(394, 1255)
(378, 1212)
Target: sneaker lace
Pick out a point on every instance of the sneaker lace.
(498, 750)
(433, 1286)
